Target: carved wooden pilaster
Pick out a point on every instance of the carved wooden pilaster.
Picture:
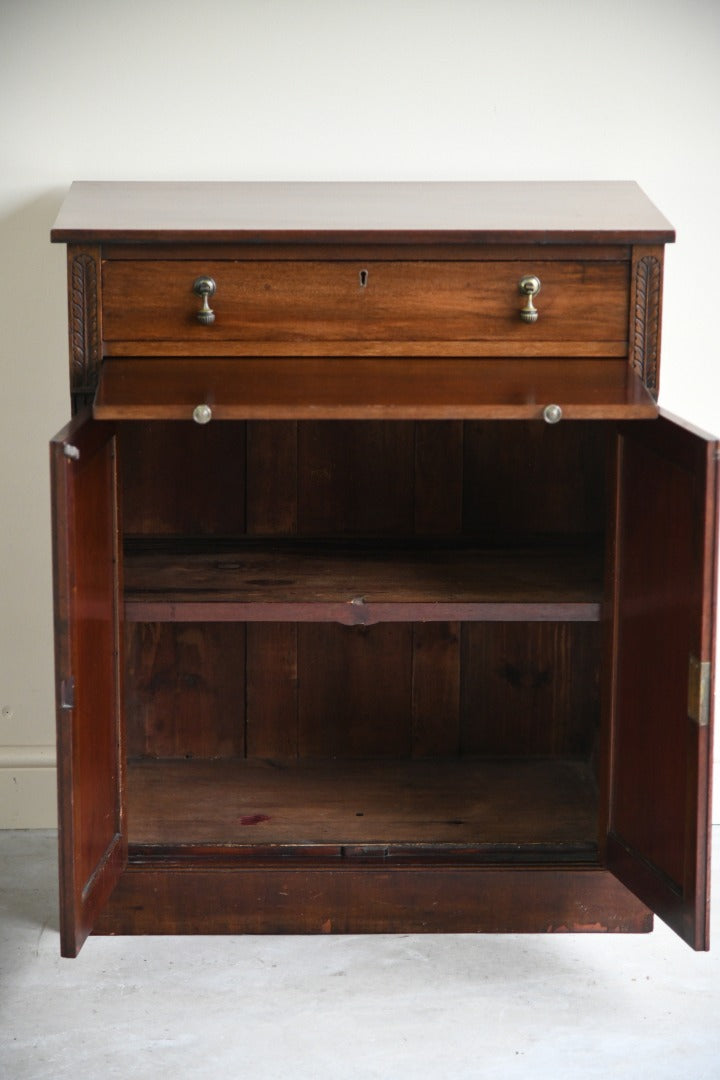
(84, 323)
(645, 312)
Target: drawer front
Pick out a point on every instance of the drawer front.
(582, 306)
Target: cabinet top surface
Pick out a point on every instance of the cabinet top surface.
(503, 212)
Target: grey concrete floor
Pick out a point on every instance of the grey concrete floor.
(312, 1008)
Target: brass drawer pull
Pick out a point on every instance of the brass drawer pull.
(529, 286)
(205, 287)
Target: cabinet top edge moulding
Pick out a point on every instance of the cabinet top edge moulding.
(394, 211)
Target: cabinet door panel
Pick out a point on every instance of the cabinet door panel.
(93, 847)
(661, 756)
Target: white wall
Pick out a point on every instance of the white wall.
(317, 89)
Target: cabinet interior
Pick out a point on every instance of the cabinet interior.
(364, 638)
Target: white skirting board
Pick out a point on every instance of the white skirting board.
(27, 787)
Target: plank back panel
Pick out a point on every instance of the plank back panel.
(182, 479)
(438, 477)
(355, 690)
(272, 691)
(272, 477)
(436, 689)
(328, 478)
(530, 689)
(533, 480)
(185, 689)
(355, 479)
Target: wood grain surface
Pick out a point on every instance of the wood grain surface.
(456, 801)
(486, 211)
(295, 581)
(418, 301)
(368, 388)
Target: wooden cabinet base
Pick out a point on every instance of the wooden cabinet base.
(370, 900)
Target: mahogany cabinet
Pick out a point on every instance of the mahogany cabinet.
(384, 591)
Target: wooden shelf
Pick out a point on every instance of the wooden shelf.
(358, 584)
(353, 808)
(366, 388)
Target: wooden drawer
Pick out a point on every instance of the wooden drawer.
(311, 306)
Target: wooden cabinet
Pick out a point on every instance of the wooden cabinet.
(384, 592)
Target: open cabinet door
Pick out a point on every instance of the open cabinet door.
(93, 846)
(659, 834)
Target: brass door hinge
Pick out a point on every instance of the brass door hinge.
(699, 691)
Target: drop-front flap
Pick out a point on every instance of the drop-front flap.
(418, 388)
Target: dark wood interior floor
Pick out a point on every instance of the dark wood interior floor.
(462, 802)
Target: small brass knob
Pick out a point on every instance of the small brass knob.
(529, 286)
(552, 414)
(204, 287)
(202, 414)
